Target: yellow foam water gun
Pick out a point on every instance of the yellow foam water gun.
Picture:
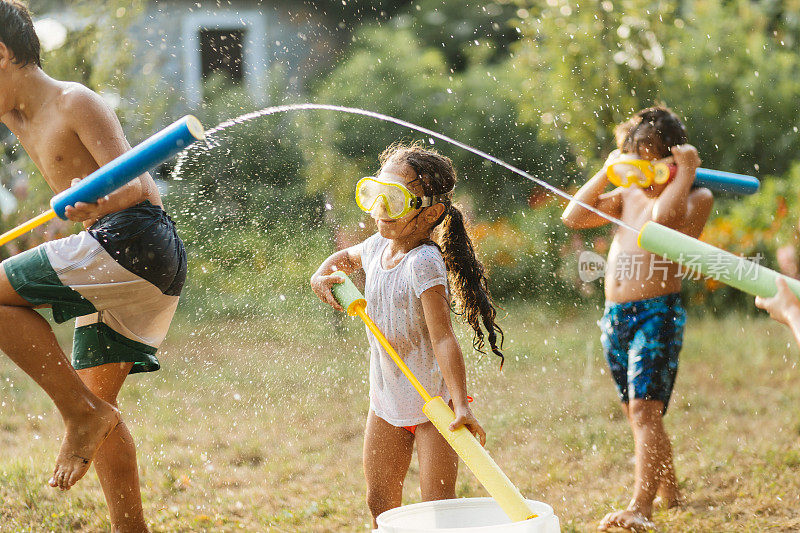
(463, 442)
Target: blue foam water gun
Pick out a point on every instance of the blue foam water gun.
(643, 173)
(113, 175)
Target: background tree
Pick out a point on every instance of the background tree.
(458, 27)
(725, 67)
(399, 77)
(589, 66)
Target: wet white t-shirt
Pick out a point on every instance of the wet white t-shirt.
(393, 302)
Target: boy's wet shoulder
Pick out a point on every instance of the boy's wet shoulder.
(74, 99)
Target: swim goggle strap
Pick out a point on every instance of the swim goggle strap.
(640, 172)
(394, 197)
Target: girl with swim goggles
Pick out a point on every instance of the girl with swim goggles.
(420, 253)
(392, 197)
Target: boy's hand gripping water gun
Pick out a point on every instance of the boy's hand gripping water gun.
(463, 442)
(113, 175)
(629, 170)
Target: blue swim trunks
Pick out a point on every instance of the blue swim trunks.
(641, 341)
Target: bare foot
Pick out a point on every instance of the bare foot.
(82, 437)
(630, 520)
(663, 503)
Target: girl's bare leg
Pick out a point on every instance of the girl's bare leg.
(115, 462)
(438, 464)
(387, 454)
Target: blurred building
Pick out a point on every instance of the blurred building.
(183, 42)
(178, 44)
(188, 41)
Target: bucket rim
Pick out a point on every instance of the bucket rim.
(544, 511)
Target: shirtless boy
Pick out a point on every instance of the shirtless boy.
(121, 276)
(642, 328)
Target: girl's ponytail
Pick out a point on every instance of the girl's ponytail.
(468, 282)
(471, 296)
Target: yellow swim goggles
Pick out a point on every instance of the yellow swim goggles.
(396, 200)
(641, 172)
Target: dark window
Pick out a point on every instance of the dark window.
(221, 51)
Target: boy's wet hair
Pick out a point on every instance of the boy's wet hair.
(656, 129)
(472, 299)
(18, 34)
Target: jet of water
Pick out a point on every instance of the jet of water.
(213, 143)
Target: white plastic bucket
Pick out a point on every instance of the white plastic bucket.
(465, 515)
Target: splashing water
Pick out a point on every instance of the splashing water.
(213, 143)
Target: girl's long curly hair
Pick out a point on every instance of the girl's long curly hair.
(467, 275)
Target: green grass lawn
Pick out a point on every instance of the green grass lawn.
(257, 425)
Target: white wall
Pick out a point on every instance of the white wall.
(254, 49)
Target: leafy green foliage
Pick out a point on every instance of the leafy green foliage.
(98, 51)
(735, 87)
(252, 176)
(530, 255)
(591, 65)
(462, 29)
(253, 234)
(727, 68)
(398, 77)
(350, 12)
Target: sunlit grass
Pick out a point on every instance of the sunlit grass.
(257, 425)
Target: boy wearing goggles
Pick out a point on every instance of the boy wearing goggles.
(642, 328)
